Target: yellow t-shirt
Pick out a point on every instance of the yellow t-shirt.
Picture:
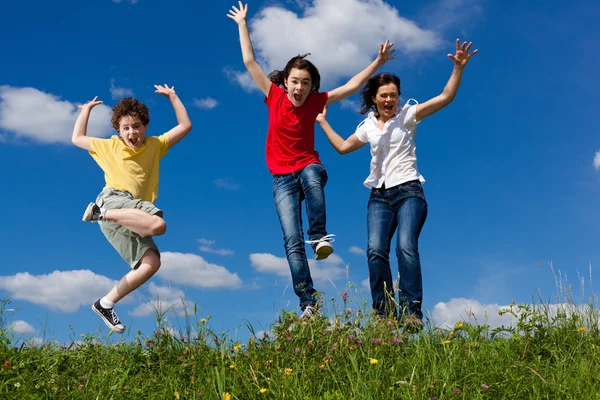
(126, 169)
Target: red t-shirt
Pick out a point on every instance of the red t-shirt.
(291, 134)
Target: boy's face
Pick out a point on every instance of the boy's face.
(132, 131)
(298, 84)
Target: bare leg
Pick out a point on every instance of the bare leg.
(137, 221)
(149, 265)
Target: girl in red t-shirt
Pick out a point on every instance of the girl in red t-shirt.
(291, 158)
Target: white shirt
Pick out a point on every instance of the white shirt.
(393, 149)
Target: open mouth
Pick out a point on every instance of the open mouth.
(134, 141)
(297, 97)
(388, 107)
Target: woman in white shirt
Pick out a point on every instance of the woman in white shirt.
(397, 202)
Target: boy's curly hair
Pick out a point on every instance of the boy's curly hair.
(129, 106)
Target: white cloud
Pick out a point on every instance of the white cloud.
(227, 183)
(62, 291)
(358, 251)
(241, 78)
(330, 268)
(444, 14)
(352, 105)
(22, 327)
(43, 117)
(207, 103)
(117, 92)
(206, 246)
(279, 34)
(470, 310)
(597, 160)
(165, 299)
(192, 269)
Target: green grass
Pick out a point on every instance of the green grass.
(550, 352)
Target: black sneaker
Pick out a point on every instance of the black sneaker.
(92, 213)
(109, 316)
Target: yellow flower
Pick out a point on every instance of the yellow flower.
(593, 346)
(262, 390)
(459, 324)
(232, 366)
(373, 361)
(581, 330)
(447, 341)
(270, 361)
(176, 394)
(237, 347)
(203, 320)
(451, 333)
(227, 396)
(287, 371)
(323, 365)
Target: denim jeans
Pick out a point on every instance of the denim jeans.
(402, 208)
(289, 191)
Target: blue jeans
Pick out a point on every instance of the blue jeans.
(288, 192)
(402, 208)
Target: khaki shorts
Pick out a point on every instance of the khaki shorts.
(130, 245)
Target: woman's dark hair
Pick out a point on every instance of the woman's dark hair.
(130, 107)
(371, 88)
(298, 62)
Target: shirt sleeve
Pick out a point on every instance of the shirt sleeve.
(274, 92)
(163, 144)
(410, 118)
(361, 132)
(99, 146)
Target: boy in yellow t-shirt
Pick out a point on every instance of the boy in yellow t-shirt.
(125, 208)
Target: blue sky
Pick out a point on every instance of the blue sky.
(512, 167)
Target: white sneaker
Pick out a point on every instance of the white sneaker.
(308, 314)
(323, 249)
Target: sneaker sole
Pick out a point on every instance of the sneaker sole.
(88, 213)
(323, 253)
(111, 327)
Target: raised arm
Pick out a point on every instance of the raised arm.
(79, 137)
(257, 74)
(352, 86)
(460, 59)
(342, 146)
(184, 125)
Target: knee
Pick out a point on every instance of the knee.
(407, 247)
(377, 251)
(159, 226)
(294, 244)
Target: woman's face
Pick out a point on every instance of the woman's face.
(298, 84)
(386, 101)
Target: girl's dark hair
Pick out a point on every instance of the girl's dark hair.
(298, 62)
(130, 107)
(371, 88)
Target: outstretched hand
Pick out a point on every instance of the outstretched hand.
(385, 52)
(165, 90)
(88, 106)
(462, 56)
(238, 14)
(322, 117)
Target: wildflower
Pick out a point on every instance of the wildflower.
(183, 338)
(84, 378)
(17, 385)
(451, 333)
(262, 390)
(181, 358)
(297, 350)
(227, 396)
(185, 365)
(376, 341)
(80, 387)
(459, 324)
(6, 365)
(334, 347)
(360, 342)
(456, 391)
(287, 371)
(270, 361)
(351, 337)
(322, 366)
(246, 354)
(390, 323)
(237, 347)
(447, 341)
(581, 330)
(484, 386)
(373, 361)
(395, 340)
(203, 320)
(593, 346)
(232, 366)
(344, 296)
(176, 394)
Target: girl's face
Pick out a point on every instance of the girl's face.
(298, 84)
(386, 101)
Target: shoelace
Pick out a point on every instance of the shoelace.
(113, 315)
(327, 238)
